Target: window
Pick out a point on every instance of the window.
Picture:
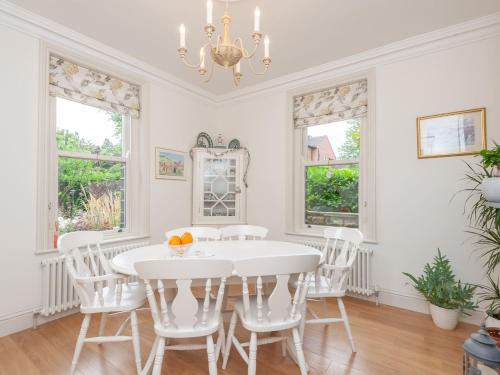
(333, 167)
(92, 148)
(91, 136)
(332, 182)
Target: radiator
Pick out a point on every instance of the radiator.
(359, 281)
(57, 289)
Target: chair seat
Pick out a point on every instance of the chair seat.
(133, 296)
(198, 330)
(251, 323)
(321, 290)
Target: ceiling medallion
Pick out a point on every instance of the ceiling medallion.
(224, 51)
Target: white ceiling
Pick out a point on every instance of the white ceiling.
(303, 33)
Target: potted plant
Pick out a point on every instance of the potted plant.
(447, 297)
(490, 185)
(491, 294)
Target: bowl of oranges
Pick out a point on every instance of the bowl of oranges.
(180, 244)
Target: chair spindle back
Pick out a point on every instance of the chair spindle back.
(281, 307)
(184, 312)
(243, 232)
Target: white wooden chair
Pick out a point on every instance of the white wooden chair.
(244, 232)
(198, 233)
(330, 280)
(185, 316)
(100, 292)
(276, 312)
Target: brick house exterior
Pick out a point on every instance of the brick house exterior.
(320, 149)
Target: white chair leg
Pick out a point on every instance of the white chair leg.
(229, 340)
(221, 341)
(136, 341)
(303, 321)
(283, 344)
(102, 324)
(325, 308)
(212, 365)
(149, 363)
(160, 351)
(79, 343)
(300, 353)
(345, 318)
(252, 354)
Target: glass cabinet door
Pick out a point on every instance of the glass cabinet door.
(219, 187)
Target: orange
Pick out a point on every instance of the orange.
(187, 238)
(174, 241)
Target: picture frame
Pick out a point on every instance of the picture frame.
(170, 164)
(451, 134)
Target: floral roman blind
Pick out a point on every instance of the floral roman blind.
(88, 86)
(335, 104)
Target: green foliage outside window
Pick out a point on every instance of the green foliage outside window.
(332, 190)
(89, 191)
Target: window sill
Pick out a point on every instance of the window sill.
(113, 240)
(318, 234)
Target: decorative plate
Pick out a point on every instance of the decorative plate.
(234, 144)
(204, 140)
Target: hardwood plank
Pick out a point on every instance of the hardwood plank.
(390, 341)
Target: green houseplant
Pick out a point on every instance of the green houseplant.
(491, 294)
(447, 297)
(490, 185)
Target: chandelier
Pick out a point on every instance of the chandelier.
(224, 51)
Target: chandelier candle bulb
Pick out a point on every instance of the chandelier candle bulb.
(182, 35)
(238, 67)
(266, 47)
(256, 24)
(210, 8)
(202, 58)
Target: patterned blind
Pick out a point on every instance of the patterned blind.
(338, 103)
(88, 86)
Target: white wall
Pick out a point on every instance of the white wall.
(415, 211)
(175, 118)
(175, 122)
(19, 285)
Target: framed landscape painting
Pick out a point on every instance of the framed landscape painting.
(451, 134)
(170, 164)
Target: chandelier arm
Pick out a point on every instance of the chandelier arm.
(193, 66)
(256, 72)
(244, 51)
(210, 75)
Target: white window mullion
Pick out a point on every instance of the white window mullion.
(95, 157)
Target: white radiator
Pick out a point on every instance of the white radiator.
(57, 290)
(359, 281)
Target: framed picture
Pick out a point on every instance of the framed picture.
(170, 164)
(451, 134)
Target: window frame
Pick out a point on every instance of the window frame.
(297, 151)
(137, 159)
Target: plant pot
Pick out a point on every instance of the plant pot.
(491, 189)
(492, 325)
(444, 318)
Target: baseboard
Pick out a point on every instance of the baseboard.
(25, 320)
(415, 303)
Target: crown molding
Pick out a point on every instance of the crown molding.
(16, 17)
(445, 38)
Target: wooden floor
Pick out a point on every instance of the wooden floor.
(389, 340)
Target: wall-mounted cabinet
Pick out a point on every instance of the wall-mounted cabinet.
(219, 193)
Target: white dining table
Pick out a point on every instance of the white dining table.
(230, 250)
